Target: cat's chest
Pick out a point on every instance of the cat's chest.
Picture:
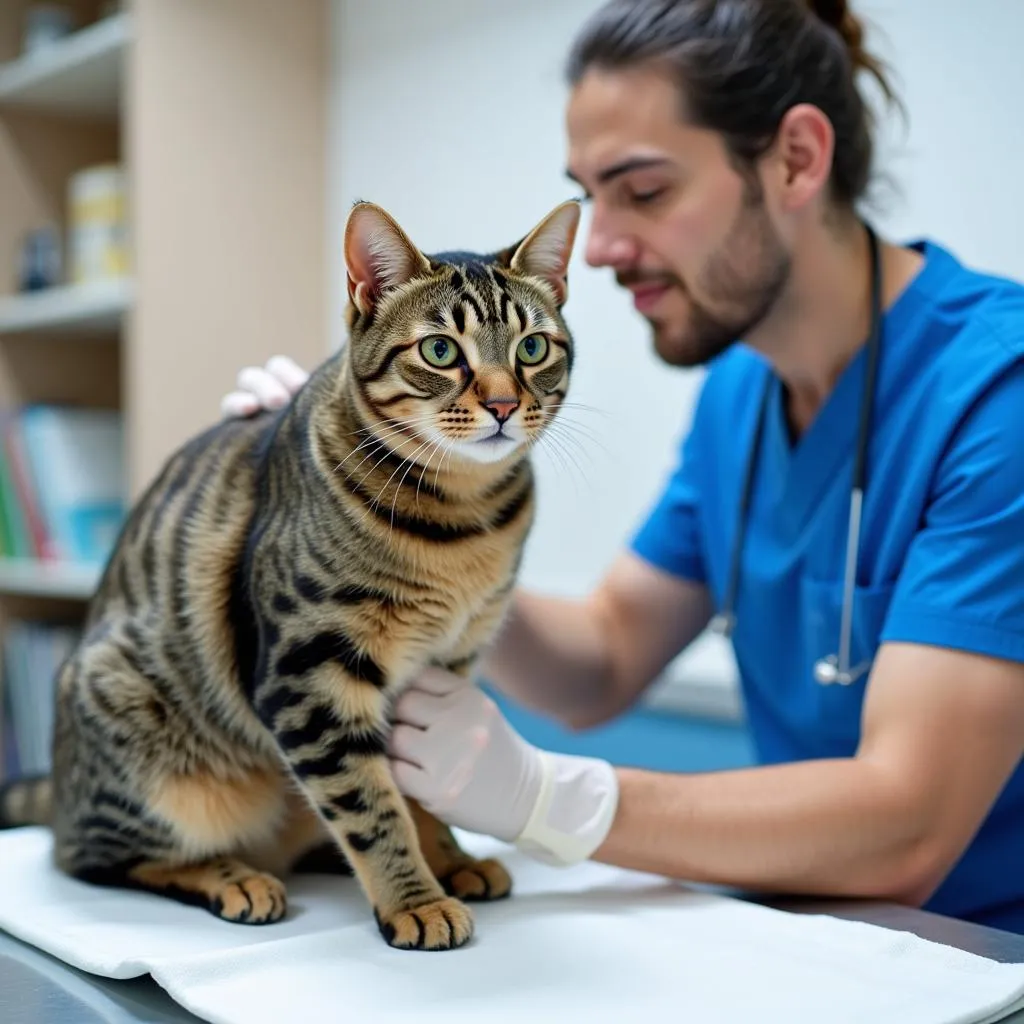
(446, 622)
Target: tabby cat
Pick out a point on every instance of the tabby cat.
(226, 714)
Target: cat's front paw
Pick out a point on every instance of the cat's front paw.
(478, 880)
(253, 899)
(443, 924)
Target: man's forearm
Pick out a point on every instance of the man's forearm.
(550, 656)
(830, 827)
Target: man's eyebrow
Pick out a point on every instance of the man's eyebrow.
(637, 163)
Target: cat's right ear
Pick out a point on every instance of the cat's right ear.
(546, 250)
(379, 256)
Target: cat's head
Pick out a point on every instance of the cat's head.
(463, 354)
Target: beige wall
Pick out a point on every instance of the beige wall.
(227, 143)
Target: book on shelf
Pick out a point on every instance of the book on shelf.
(32, 655)
(62, 490)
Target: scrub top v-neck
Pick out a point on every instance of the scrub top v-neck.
(942, 538)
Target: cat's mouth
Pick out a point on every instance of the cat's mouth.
(496, 436)
(498, 439)
(492, 447)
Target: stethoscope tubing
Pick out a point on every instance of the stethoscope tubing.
(834, 668)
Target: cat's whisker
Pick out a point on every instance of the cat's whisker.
(565, 419)
(450, 447)
(550, 447)
(570, 431)
(401, 482)
(369, 454)
(580, 433)
(581, 451)
(381, 439)
(554, 442)
(390, 428)
(373, 503)
(419, 483)
(566, 460)
(583, 407)
(562, 434)
(389, 451)
(585, 469)
(553, 452)
(411, 460)
(384, 458)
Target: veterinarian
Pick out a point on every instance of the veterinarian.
(848, 502)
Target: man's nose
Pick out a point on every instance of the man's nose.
(501, 408)
(609, 248)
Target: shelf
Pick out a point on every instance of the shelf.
(80, 75)
(27, 576)
(73, 309)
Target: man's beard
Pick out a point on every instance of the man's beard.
(743, 279)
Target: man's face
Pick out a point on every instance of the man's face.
(682, 229)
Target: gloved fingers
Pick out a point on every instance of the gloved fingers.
(407, 743)
(418, 707)
(440, 681)
(412, 781)
(267, 389)
(435, 792)
(237, 404)
(287, 372)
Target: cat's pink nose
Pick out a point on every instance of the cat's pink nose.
(501, 408)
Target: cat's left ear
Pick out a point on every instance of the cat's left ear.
(379, 255)
(546, 250)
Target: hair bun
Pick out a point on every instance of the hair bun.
(832, 12)
(837, 14)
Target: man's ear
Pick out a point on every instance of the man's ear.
(546, 250)
(379, 255)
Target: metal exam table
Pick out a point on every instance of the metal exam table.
(35, 988)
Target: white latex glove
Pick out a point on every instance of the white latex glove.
(453, 751)
(264, 387)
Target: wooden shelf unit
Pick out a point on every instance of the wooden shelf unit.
(61, 580)
(81, 76)
(218, 114)
(86, 309)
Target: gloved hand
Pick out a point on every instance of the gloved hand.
(264, 387)
(453, 751)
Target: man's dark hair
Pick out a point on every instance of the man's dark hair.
(742, 64)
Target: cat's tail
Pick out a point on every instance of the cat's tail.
(27, 801)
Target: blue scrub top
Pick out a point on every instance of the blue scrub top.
(942, 542)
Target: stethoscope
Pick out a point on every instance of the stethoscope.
(834, 668)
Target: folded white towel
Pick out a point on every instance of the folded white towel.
(590, 943)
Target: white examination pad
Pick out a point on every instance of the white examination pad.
(591, 943)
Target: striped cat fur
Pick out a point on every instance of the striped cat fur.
(224, 721)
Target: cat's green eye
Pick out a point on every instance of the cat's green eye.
(532, 350)
(439, 351)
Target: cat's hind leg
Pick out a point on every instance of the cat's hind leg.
(145, 797)
(225, 886)
(185, 844)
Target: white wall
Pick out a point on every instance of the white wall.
(960, 164)
(450, 114)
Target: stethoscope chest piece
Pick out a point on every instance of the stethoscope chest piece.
(722, 624)
(828, 673)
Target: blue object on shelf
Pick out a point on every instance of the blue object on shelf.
(40, 262)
